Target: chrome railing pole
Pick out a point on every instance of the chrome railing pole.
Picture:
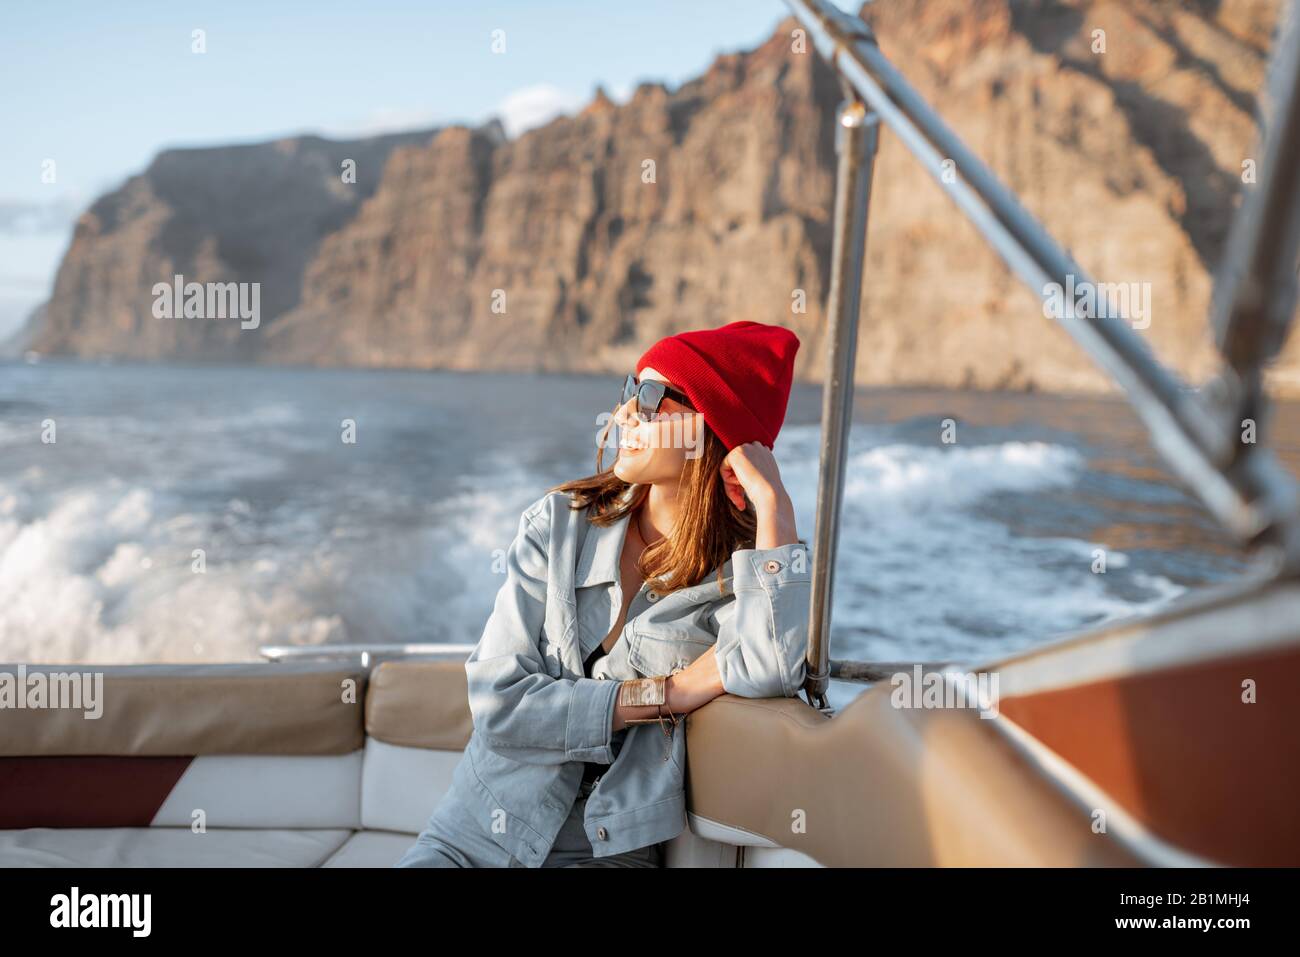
(365, 653)
(1255, 291)
(856, 139)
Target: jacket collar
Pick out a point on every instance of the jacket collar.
(601, 550)
(598, 563)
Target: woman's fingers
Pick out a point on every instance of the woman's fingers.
(749, 470)
(735, 471)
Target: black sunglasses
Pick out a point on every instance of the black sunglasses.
(650, 394)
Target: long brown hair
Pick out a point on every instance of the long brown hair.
(708, 529)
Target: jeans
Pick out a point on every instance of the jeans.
(454, 838)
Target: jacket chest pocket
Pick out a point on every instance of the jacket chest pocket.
(662, 652)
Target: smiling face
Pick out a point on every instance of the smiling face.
(656, 451)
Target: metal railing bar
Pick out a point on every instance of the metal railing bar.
(1255, 295)
(417, 650)
(856, 142)
(873, 671)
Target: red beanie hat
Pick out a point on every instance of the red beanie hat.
(738, 376)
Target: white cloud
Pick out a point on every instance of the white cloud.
(520, 111)
(620, 93)
(394, 119)
(535, 105)
(20, 217)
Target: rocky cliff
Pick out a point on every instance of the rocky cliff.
(253, 213)
(1123, 126)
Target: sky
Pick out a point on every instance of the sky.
(99, 88)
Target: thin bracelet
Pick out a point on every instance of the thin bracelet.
(675, 719)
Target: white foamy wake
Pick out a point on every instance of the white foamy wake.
(103, 571)
(106, 572)
(923, 573)
(102, 574)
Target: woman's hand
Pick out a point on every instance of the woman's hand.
(694, 686)
(684, 691)
(751, 470)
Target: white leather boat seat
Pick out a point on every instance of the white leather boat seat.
(169, 847)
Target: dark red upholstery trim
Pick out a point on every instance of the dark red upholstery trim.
(85, 791)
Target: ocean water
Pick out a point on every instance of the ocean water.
(948, 551)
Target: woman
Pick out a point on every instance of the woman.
(632, 598)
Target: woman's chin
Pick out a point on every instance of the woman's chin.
(631, 469)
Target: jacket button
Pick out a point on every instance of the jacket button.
(601, 833)
(652, 596)
(773, 566)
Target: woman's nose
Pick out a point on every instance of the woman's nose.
(625, 416)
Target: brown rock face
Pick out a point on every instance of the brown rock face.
(575, 245)
(229, 214)
(1123, 127)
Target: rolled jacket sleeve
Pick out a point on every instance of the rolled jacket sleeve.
(763, 635)
(519, 709)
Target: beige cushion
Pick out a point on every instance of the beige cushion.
(882, 786)
(420, 704)
(255, 708)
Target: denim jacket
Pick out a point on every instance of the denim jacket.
(538, 718)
